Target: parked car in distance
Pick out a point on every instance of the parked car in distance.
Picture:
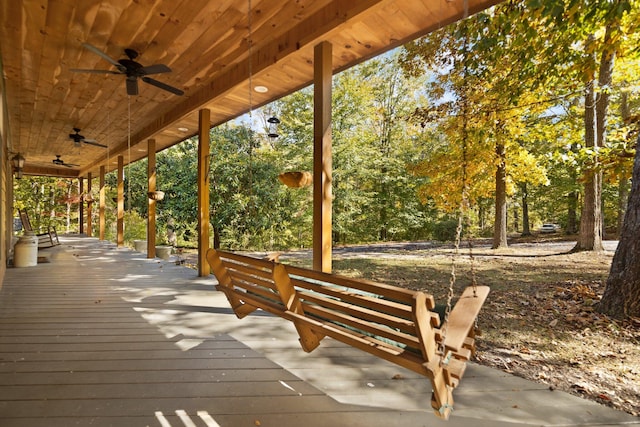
(549, 228)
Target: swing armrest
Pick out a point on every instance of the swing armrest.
(463, 316)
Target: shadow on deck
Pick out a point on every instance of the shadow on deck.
(105, 337)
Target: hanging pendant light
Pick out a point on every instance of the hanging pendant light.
(273, 127)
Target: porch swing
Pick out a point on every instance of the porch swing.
(390, 322)
(396, 324)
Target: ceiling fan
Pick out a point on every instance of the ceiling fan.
(58, 161)
(77, 139)
(132, 69)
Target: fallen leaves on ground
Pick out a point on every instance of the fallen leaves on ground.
(554, 335)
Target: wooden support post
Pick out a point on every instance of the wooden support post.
(204, 123)
(89, 206)
(103, 203)
(81, 206)
(120, 213)
(151, 212)
(322, 160)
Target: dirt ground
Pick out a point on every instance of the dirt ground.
(540, 320)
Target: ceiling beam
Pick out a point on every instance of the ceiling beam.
(50, 171)
(305, 34)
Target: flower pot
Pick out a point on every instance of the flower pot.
(296, 179)
(25, 252)
(156, 195)
(140, 245)
(163, 252)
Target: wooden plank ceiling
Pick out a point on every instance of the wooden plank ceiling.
(206, 43)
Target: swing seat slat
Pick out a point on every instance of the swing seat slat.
(462, 318)
(389, 322)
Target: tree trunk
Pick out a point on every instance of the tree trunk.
(623, 188)
(216, 238)
(623, 195)
(384, 202)
(500, 224)
(526, 228)
(590, 236)
(622, 295)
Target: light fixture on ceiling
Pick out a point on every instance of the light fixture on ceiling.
(261, 89)
(18, 164)
(273, 127)
(183, 129)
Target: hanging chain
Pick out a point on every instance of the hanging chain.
(464, 205)
(472, 261)
(250, 45)
(474, 282)
(249, 134)
(108, 139)
(129, 154)
(452, 280)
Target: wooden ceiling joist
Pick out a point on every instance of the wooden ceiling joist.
(206, 45)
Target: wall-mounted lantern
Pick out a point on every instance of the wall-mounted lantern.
(18, 164)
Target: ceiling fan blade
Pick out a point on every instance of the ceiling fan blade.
(132, 86)
(100, 53)
(93, 142)
(80, 70)
(161, 85)
(156, 69)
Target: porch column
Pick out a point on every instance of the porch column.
(204, 123)
(89, 206)
(81, 206)
(322, 160)
(151, 217)
(120, 214)
(103, 203)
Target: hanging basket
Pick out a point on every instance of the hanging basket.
(296, 179)
(156, 195)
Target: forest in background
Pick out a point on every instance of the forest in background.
(496, 105)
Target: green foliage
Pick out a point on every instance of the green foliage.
(445, 230)
(49, 202)
(135, 228)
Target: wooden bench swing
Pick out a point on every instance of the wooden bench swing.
(393, 323)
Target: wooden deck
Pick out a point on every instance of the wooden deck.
(101, 336)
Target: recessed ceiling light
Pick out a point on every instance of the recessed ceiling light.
(183, 129)
(261, 89)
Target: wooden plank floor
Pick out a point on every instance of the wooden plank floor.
(102, 336)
